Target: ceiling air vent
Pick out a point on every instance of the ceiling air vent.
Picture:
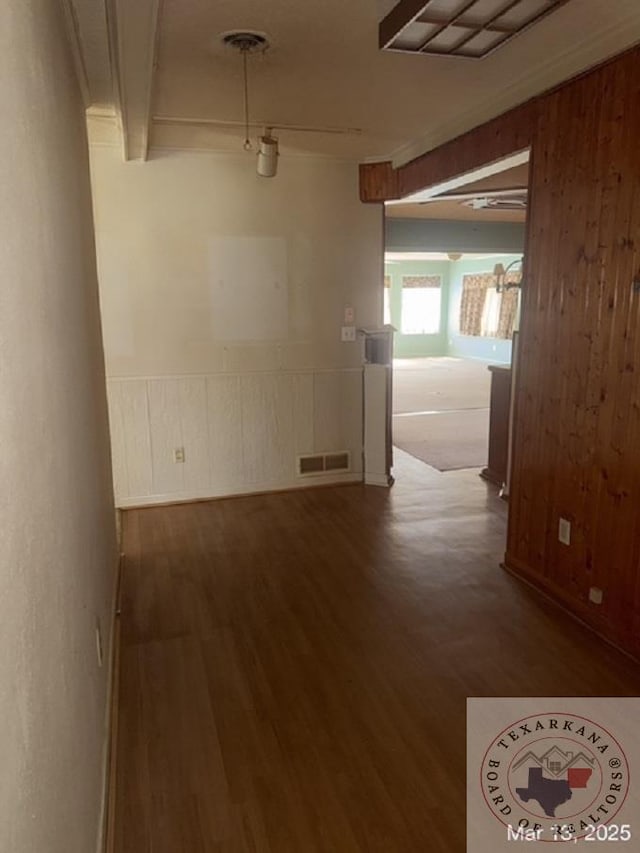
(323, 463)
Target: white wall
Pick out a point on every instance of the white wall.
(222, 297)
(57, 538)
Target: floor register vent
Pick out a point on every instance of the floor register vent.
(323, 463)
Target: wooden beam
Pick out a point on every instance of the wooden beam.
(134, 33)
(440, 170)
(378, 182)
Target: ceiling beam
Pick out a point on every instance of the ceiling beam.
(448, 187)
(134, 29)
(73, 32)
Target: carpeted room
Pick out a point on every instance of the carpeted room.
(449, 330)
(441, 411)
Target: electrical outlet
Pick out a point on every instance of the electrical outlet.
(348, 334)
(564, 531)
(178, 454)
(349, 315)
(596, 595)
(99, 643)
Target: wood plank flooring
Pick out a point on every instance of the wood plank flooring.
(294, 667)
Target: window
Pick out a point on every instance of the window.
(490, 319)
(421, 304)
(387, 300)
(483, 311)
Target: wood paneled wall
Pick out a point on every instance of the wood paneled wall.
(577, 434)
(240, 432)
(577, 429)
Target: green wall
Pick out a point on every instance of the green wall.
(448, 341)
(467, 346)
(437, 235)
(413, 346)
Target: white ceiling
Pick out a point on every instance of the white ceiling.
(324, 70)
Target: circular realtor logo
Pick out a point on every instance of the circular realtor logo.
(555, 776)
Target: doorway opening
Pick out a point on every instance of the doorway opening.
(453, 269)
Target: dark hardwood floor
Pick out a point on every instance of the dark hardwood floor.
(294, 667)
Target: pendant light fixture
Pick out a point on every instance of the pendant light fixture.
(267, 155)
(247, 43)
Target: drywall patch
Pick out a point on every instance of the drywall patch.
(249, 288)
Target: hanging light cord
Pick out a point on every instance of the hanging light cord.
(247, 141)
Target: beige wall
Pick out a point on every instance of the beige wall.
(222, 297)
(57, 541)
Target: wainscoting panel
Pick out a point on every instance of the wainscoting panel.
(224, 413)
(239, 433)
(131, 437)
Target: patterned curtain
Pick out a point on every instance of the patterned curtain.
(421, 281)
(508, 310)
(474, 297)
(474, 291)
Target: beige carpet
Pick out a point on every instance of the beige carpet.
(441, 408)
(439, 384)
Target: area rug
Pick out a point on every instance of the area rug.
(445, 440)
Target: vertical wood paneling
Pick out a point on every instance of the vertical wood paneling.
(195, 433)
(118, 445)
(327, 428)
(178, 418)
(337, 402)
(577, 422)
(302, 405)
(577, 429)
(165, 425)
(239, 432)
(224, 415)
(378, 182)
(351, 391)
(267, 428)
(134, 413)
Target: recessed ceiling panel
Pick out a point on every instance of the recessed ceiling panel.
(522, 14)
(444, 10)
(480, 43)
(415, 35)
(471, 28)
(482, 11)
(448, 38)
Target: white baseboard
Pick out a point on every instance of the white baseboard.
(384, 480)
(234, 492)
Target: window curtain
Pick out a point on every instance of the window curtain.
(474, 291)
(483, 311)
(508, 311)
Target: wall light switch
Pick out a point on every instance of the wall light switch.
(348, 334)
(564, 531)
(178, 454)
